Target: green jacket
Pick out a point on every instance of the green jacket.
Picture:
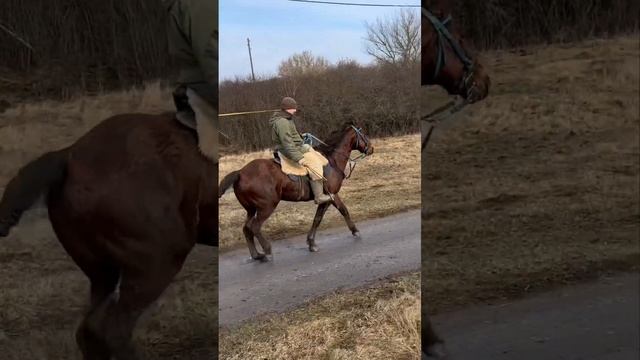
(286, 137)
(193, 43)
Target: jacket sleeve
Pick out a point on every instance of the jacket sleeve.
(193, 35)
(205, 37)
(288, 146)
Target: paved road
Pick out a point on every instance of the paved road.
(595, 321)
(387, 246)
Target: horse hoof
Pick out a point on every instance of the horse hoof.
(267, 258)
(356, 234)
(259, 257)
(313, 248)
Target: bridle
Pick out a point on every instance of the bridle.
(468, 84)
(360, 136)
(352, 162)
(444, 37)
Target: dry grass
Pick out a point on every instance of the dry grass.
(536, 186)
(28, 130)
(388, 182)
(381, 322)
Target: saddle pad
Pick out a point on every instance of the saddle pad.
(291, 167)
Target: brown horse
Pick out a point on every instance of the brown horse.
(128, 201)
(260, 185)
(449, 63)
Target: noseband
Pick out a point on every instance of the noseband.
(445, 37)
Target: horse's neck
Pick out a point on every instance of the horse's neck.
(341, 153)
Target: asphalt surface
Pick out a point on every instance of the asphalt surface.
(387, 246)
(594, 321)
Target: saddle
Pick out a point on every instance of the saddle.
(303, 181)
(297, 177)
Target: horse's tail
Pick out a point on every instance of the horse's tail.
(227, 182)
(32, 181)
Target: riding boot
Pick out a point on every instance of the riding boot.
(318, 192)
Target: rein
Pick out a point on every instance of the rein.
(441, 114)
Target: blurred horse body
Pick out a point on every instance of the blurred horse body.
(128, 201)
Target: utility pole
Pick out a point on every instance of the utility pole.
(253, 76)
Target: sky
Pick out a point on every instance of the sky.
(279, 28)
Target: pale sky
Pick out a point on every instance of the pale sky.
(279, 28)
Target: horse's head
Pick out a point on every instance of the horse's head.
(445, 59)
(359, 140)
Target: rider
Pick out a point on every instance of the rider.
(193, 43)
(289, 143)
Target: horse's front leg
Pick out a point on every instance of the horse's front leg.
(337, 202)
(311, 237)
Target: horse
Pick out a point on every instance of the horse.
(128, 201)
(260, 185)
(446, 62)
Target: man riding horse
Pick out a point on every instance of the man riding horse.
(289, 143)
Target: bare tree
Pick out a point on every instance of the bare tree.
(303, 64)
(298, 65)
(395, 40)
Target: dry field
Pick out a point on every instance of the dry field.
(380, 322)
(538, 185)
(43, 292)
(385, 183)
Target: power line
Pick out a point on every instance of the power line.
(353, 4)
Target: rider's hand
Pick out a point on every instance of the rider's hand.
(304, 162)
(306, 147)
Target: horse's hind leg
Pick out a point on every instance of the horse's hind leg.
(103, 284)
(78, 242)
(337, 202)
(138, 289)
(249, 236)
(163, 249)
(256, 227)
(311, 237)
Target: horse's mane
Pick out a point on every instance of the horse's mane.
(333, 140)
